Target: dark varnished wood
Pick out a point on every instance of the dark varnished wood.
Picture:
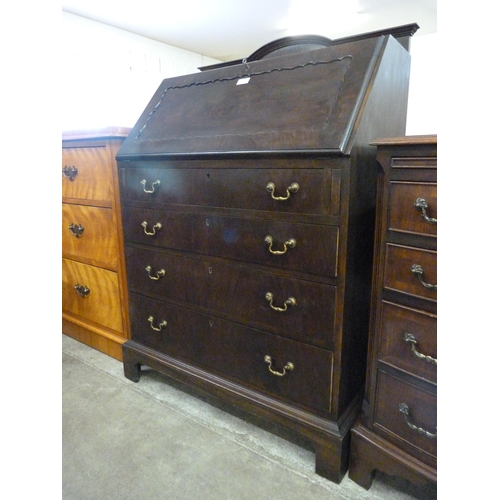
(330, 439)
(304, 118)
(307, 115)
(382, 440)
(398, 275)
(404, 216)
(390, 422)
(238, 238)
(294, 44)
(235, 184)
(370, 453)
(239, 292)
(236, 351)
(396, 321)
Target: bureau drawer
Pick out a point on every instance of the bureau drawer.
(235, 351)
(408, 340)
(307, 191)
(413, 207)
(101, 300)
(415, 432)
(90, 233)
(411, 270)
(160, 228)
(239, 292)
(299, 247)
(87, 174)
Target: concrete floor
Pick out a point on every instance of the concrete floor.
(158, 440)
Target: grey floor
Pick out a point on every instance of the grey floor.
(159, 440)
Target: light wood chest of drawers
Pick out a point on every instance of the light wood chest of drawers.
(94, 291)
(248, 214)
(397, 432)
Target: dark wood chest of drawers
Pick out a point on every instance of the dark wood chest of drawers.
(248, 197)
(397, 432)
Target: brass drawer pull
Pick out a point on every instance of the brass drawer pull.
(76, 229)
(156, 227)
(158, 328)
(288, 244)
(152, 190)
(159, 274)
(421, 204)
(418, 271)
(411, 339)
(293, 188)
(70, 173)
(403, 408)
(288, 367)
(289, 302)
(82, 290)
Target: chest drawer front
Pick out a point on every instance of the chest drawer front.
(101, 297)
(413, 427)
(93, 179)
(90, 233)
(413, 207)
(408, 340)
(235, 351)
(299, 247)
(239, 188)
(160, 228)
(239, 292)
(411, 270)
(414, 163)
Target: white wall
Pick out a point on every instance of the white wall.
(109, 75)
(423, 95)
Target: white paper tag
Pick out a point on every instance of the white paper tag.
(243, 81)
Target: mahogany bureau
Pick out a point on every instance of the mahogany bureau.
(94, 287)
(397, 432)
(248, 195)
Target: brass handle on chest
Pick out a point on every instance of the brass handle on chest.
(82, 290)
(159, 274)
(288, 303)
(160, 326)
(76, 229)
(421, 204)
(70, 173)
(292, 188)
(288, 244)
(411, 339)
(418, 271)
(153, 185)
(288, 367)
(156, 227)
(405, 410)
